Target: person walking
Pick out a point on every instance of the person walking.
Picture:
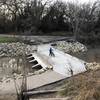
(51, 52)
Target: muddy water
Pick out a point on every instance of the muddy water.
(92, 55)
(9, 65)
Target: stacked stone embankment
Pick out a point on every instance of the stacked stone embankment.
(70, 47)
(18, 49)
(15, 49)
(93, 66)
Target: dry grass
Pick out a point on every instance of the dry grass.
(88, 94)
(83, 87)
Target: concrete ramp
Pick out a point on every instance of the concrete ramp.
(62, 63)
(43, 79)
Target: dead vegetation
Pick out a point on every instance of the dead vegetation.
(83, 87)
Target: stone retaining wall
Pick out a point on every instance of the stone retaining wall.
(70, 47)
(18, 49)
(15, 49)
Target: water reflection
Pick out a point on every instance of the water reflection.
(92, 55)
(9, 65)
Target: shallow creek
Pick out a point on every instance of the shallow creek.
(10, 65)
(92, 55)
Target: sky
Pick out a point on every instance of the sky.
(82, 1)
(76, 1)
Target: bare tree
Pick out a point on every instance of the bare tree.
(54, 19)
(81, 15)
(13, 9)
(72, 13)
(37, 11)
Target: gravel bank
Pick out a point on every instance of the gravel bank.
(15, 49)
(70, 47)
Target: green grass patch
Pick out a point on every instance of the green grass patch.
(8, 39)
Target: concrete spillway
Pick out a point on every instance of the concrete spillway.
(62, 63)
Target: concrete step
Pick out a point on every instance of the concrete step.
(67, 98)
(30, 57)
(41, 92)
(32, 61)
(36, 66)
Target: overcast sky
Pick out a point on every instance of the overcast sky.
(81, 1)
